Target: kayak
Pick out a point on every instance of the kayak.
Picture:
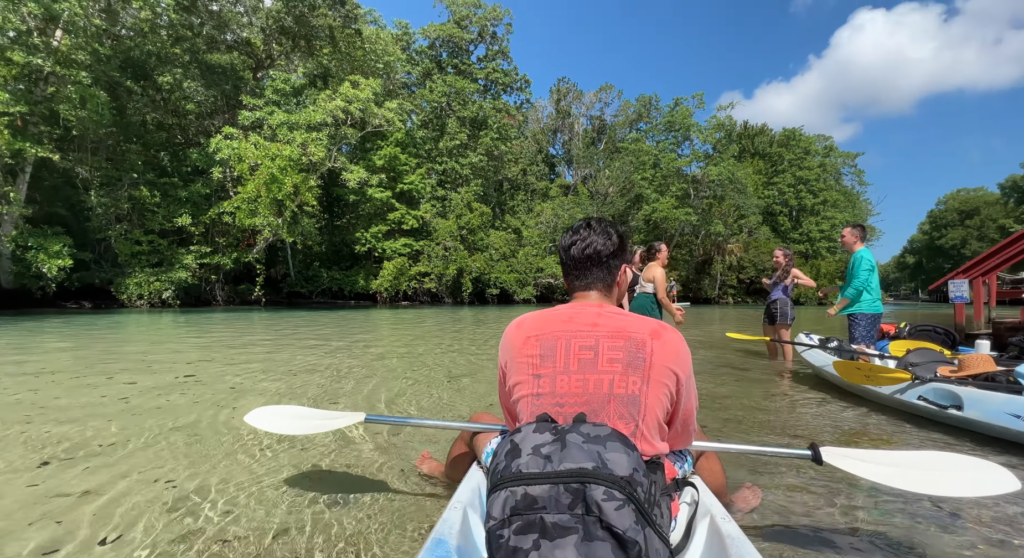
(988, 412)
(460, 531)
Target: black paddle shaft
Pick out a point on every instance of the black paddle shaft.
(840, 349)
(991, 386)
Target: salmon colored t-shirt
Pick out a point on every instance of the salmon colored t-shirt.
(626, 370)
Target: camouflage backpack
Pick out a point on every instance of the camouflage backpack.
(580, 489)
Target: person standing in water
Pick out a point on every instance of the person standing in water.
(778, 312)
(651, 298)
(860, 298)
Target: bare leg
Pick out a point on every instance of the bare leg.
(466, 449)
(782, 333)
(863, 348)
(769, 331)
(709, 468)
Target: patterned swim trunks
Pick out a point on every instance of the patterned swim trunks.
(863, 328)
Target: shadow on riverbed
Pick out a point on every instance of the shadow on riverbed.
(322, 481)
(853, 542)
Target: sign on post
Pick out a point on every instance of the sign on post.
(959, 291)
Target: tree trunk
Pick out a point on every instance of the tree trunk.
(288, 249)
(8, 221)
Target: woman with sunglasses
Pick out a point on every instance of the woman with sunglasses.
(651, 293)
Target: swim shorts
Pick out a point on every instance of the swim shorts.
(779, 311)
(863, 328)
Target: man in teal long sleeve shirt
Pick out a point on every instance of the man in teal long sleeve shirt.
(860, 297)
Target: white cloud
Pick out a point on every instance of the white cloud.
(884, 61)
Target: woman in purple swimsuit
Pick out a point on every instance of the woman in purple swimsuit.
(778, 313)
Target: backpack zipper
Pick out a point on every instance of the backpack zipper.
(583, 476)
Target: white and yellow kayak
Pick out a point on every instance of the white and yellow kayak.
(460, 531)
(988, 412)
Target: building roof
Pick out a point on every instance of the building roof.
(990, 262)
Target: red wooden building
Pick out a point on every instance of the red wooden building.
(982, 272)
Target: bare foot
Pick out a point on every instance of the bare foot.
(744, 500)
(427, 465)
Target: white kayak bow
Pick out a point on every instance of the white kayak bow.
(937, 473)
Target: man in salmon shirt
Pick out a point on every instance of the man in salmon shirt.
(625, 370)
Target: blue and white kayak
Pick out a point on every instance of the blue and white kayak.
(988, 412)
(460, 531)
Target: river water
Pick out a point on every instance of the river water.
(122, 435)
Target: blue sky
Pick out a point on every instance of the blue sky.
(932, 93)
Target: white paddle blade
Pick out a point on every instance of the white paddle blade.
(937, 473)
(296, 420)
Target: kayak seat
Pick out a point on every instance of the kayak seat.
(924, 363)
(930, 333)
(837, 347)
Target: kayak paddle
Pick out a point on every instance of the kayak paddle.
(897, 348)
(799, 344)
(936, 473)
(867, 374)
(870, 374)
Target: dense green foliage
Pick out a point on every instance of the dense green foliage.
(234, 151)
(963, 224)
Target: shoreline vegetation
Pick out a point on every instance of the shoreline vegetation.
(238, 152)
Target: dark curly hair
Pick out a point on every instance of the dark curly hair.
(591, 254)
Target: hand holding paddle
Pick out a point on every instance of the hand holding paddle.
(927, 472)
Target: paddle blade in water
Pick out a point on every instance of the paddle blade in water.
(296, 420)
(867, 374)
(746, 337)
(937, 473)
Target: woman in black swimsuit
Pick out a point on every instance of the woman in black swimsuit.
(634, 279)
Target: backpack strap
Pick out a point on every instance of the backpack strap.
(676, 487)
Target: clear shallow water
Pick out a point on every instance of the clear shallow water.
(125, 428)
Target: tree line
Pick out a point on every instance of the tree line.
(237, 151)
(962, 225)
